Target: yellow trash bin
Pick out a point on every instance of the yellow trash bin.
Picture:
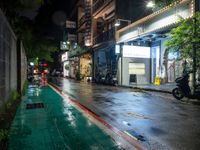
(157, 80)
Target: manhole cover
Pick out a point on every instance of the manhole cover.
(34, 105)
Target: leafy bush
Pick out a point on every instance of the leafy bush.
(4, 133)
(182, 38)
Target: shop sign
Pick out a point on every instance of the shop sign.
(88, 22)
(136, 51)
(70, 24)
(65, 56)
(117, 49)
(72, 37)
(66, 71)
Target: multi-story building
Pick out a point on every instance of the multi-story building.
(105, 14)
(84, 30)
(96, 30)
(80, 56)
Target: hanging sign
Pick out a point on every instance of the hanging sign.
(72, 37)
(70, 24)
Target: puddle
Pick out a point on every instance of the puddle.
(157, 131)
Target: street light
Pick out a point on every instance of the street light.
(32, 63)
(118, 21)
(150, 4)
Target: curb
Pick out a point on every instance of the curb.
(147, 89)
(138, 88)
(154, 90)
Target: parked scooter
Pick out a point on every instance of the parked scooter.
(98, 79)
(183, 88)
(110, 79)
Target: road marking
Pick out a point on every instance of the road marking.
(131, 136)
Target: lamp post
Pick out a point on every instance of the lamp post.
(194, 56)
(121, 55)
(118, 22)
(194, 66)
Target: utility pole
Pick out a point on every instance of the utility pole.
(194, 66)
(121, 55)
(194, 55)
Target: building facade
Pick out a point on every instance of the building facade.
(143, 52)
(105, 13)
(80, 56)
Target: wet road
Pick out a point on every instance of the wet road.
(157, 120)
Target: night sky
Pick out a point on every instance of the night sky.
(51, 17)
(50, 22)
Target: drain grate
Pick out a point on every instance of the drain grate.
(34, 105)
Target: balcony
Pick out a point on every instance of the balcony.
(78, 51)
(99, 4)
(81, 21)
(104, 37)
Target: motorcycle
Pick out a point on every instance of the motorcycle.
(183, 89)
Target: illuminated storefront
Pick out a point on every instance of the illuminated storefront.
(135, 65)
(142, 45)
(86, 66)
(73, 67)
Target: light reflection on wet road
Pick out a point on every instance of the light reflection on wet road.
(163, 122)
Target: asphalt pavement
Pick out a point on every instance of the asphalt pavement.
(156, 120)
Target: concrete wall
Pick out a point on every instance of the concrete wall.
(23, 66)
(9, 60)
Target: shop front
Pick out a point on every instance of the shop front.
(105, 62)
(73, 67)
(86, 67)
(150, 33)
(135, 65)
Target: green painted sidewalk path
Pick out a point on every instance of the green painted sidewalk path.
(47, 121)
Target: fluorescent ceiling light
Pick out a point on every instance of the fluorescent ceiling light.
(117, 23)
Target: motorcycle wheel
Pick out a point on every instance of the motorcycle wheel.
(177, 93)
